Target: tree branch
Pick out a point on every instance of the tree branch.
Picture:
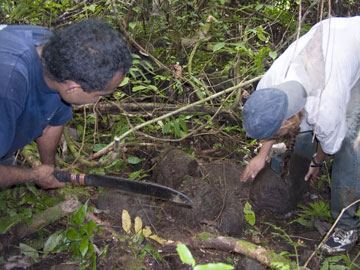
(110, 145)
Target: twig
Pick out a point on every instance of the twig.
(110, 145)
(150, 109)
(256, 252)
(330, 231)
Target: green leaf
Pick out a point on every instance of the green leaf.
(53, 241)
(214, 266)
(134, 160)
(33, 189)
(166, 128)
(304, 222)
(260, 33)
(334, 259)
(29, 251)
(98, 147)
(151, 250)
(325, 266)
(177, 130)
(249, 214)
(79, 216)
(153, 87)
(258, 7)
(185, 254)
(135, 174)
(91, 7)
(84, 246)
(139, 88)
(124, 82)
(183, 125)
(273, 55)
(132, 25)
(7, 223)
(218, 46)
(90, 228)
(73, 234)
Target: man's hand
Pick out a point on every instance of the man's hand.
(253, 168)
(315, 163)
(257, 163)
(312, 173)
(43, 176)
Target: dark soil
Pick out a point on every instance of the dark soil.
(219, 198)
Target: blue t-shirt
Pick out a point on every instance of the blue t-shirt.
(27, 104)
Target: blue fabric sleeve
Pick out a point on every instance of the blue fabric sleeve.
(62, 116)
(9, 112)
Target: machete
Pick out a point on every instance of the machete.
(126, 185)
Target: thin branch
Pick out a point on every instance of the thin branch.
(330, 231)
(110, 145)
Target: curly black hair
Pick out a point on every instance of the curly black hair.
(89, 52)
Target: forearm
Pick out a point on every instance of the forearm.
(315, 163)
(11, 175)
(320, 154)
(265, 149)
(48, 142)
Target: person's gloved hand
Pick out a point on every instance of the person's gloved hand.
(253, 168)
(43, 176)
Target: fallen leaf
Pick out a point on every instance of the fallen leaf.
(147, 231)
(126, 221)
(138, 224)
(158, 239)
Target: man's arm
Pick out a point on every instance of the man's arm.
(318, 159)
(48, 142)
(41, 175)
(257, 163)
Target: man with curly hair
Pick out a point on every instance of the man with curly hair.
(314, 88)
(42, 73)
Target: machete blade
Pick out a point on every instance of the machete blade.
(129, 186)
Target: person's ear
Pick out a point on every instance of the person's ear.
(72, 86)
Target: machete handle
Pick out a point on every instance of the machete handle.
(66, 177)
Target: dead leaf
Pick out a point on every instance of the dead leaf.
(138, 224)
(158, 239)
(126, 221)
(147, 231)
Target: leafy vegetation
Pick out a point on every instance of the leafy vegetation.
(187, 258)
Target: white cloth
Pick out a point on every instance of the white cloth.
(326, 62)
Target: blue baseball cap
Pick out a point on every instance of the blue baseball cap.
(266, 109)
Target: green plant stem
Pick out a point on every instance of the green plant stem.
(230, 89)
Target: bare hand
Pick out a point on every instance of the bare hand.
(43, 176)
(253, 168)
(312, 173)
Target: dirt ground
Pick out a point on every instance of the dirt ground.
(219, 198)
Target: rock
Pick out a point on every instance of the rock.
(216, 198)
(232, 218)
(175, 167)
(271, 192)
(246, 263)
(207, 203)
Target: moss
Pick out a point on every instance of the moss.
(204, 236)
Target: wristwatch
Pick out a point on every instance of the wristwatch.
(315, 164)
